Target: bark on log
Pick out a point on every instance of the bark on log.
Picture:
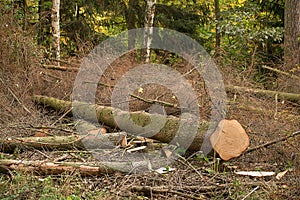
(166, 134)
(91, 141)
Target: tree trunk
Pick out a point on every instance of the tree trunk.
(149, 19)
(55, 29)
(130, 17)
(292, 43)
(168, 133)
(89, 141)
(85, 169)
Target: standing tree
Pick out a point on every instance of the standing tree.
(131, 19)
(55, 29)
(292, 37)
(149, 19)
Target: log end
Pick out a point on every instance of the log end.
(230, 139)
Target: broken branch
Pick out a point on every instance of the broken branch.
(273, 142)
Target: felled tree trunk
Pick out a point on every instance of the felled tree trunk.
(100, 140)
(85, 169)
(166, 134)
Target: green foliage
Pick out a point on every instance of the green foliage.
(26, 186)
(249, 34)
(249, 29)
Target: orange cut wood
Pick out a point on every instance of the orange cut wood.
(230, 139)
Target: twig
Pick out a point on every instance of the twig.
(16, 98)
(206, 188)
(190, 165)
(163, 103)
(273, 142)
(61, 117)
(250, 193)
(149, 190)
(99, 83)
(50, 75)
(52, 128)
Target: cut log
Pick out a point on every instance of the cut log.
(90, 141)
(230, 139)
(107, 115)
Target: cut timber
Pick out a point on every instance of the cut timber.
(230, 139)
(107, 115)
(90, 141)
(281, 95)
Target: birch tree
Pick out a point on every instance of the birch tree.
(55, 29)
(149, 19)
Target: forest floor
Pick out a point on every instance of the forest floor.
(195, 177)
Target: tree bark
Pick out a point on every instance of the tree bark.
(292, 43)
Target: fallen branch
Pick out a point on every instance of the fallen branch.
(63, 142)
(61, 68)
(281, 72)
(164, 189)
(281, 95)
(273, 142)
